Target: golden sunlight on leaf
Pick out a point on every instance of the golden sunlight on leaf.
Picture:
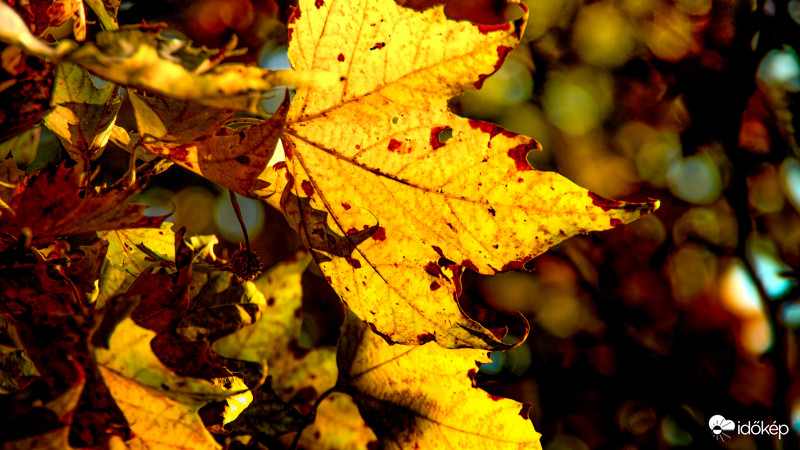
(160, 405)
(394, 194)
(83, 114)
(135, 59)
(425, 396)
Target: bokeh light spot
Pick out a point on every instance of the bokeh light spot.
(781, 67)
(602, 36)
(769, 268)
(790, 181)
(739, 295)
(695, 179)
(577, 102)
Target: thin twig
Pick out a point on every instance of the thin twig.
(235, 204)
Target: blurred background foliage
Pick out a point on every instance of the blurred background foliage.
(639, 334)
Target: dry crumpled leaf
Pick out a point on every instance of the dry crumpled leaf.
(172, 123)
(52, 202)
(83, 114)
(160, 405)
(136, 58)
(232, 157)
(425, 396)
(391, 209)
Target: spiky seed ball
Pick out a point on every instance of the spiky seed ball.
(245, 265)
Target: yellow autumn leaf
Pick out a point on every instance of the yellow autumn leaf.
(425, 396)
(394, 210)
(160, 406)
(83, 114)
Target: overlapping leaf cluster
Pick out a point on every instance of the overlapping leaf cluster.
(118, 331)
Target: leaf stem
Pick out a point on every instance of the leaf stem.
(238, 211)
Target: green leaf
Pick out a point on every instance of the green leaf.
(83, 114)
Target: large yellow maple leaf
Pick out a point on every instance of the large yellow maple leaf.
(392, 209)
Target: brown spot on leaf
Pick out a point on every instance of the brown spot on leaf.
(280, 166)
(346, 206)
(519, 155)
(319, 4)
(394, 145)
(471, 374)
(435, 286)
(486, 29)
(481, 78)
(425, 338)
(494, 397)
(352, 231)
(489, 128)
(609, 205)
(378, 46)
(502, 52)
(353, 262)
(616, 222)
(438, 250)
(180, 152)
(515, 265)
(380, 234)
(452, 227)
(307, 188)
(329, 280)
(433, 269)
(243, 159)
(469, 265)
(340, 57)
(270, 301)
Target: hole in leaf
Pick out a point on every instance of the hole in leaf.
(445, 135)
